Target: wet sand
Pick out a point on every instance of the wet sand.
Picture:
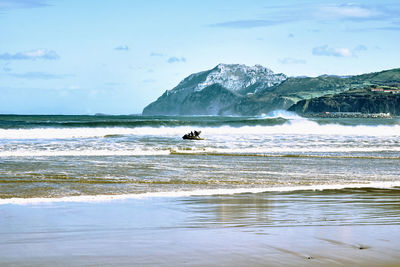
(238, 230)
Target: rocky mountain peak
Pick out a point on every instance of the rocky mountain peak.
(236, 77)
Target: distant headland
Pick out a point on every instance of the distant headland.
(235, 89)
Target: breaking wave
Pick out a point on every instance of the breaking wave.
(200, 192)
(291, 127)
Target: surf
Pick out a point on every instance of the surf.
(199, 192)
(292, 127)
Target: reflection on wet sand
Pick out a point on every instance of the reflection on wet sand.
(230, 210)
(301, 208)
(349, 227)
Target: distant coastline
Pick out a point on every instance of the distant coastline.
(348, 115)
(234, 89)
(369, 102)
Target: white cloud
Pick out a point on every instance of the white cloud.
(169, 59)
(155, 54)
(12, 4)
(314, 12)
(243, 24)
(325, 50)
(176, 59)
(122, 48)
(289, 60)
(347, 11)
(39, 75)
(334, 52)
(343, 52)
(31, 55)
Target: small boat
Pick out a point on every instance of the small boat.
(192, 136)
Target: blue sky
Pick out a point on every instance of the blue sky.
(115, 57)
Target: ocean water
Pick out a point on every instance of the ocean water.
(272, 190)
(94, 158)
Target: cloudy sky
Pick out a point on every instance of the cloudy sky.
(115, 57)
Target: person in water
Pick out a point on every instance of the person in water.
(195, 134)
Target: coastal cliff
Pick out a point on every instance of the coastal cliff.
(366, 101)
(234, 89)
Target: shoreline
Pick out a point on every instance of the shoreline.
(349, 115)
(197, 193)
(247, 229)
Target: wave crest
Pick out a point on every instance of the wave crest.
(291, 127)
(200, 192)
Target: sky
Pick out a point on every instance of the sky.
(116, 57)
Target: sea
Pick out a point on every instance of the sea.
(87, 158)
(271, 190)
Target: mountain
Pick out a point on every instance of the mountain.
(233, 89)
(366, 100)
(216, 91)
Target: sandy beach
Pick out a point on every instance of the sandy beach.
(246, 229)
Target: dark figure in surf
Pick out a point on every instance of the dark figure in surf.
(193, 135)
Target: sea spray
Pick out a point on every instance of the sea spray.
(293, 126)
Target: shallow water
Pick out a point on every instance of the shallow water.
(63, 156)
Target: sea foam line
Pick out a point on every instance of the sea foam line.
(240, 152)
(83, 153)
(292, 127)
(193, 193)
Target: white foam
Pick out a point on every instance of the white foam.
(193, 193)
(63, 133)
(262, 151)
(68, 153)
(283, 114)
(293, 127)
(287, 150)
